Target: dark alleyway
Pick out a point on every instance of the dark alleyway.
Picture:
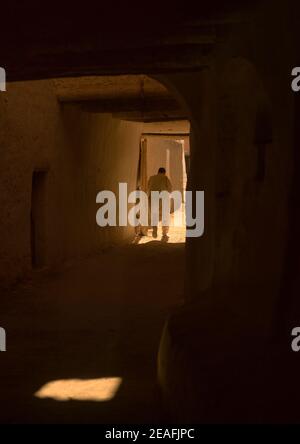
(99, 318)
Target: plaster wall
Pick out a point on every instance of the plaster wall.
(81, 154)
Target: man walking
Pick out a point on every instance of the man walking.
(159, 182)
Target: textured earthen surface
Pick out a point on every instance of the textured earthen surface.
(82, 154)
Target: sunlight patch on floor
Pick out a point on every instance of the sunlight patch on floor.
(100, 389)
(176, 233)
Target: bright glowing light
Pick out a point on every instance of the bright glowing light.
(176, 234)
(101, 389)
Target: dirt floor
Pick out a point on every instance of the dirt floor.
(100, 318)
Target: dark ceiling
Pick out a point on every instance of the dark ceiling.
(45, 39)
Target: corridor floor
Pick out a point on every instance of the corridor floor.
(99, 318)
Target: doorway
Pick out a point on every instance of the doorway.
(169, 152)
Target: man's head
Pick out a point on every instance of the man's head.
(161, 170)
